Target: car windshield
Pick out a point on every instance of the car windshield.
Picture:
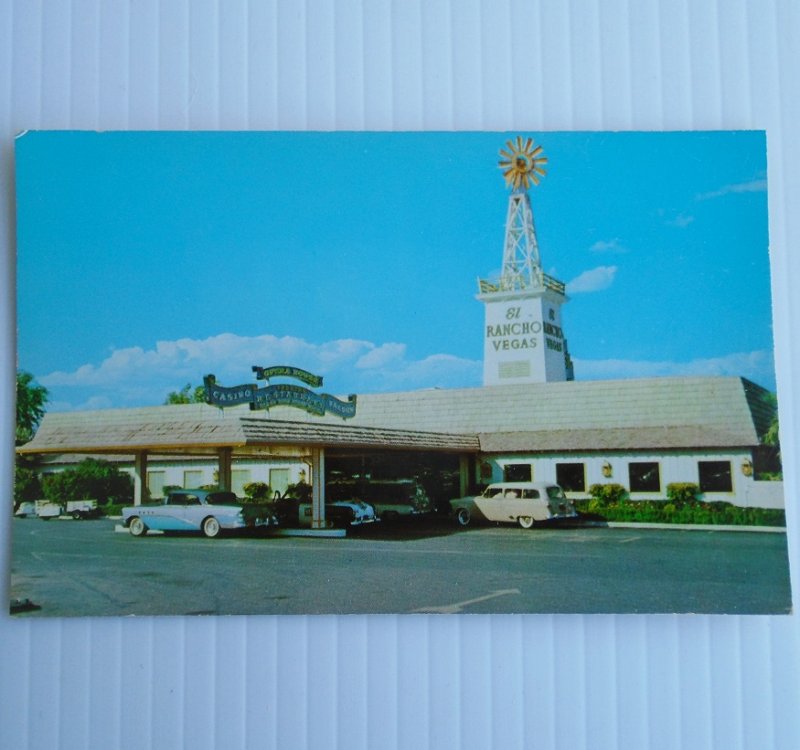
(555, 493)
(222, 498)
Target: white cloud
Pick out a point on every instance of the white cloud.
(381, 356)
(435, 371)
(681, 221)
(754, 186)
(222, 354)
(756, 366)
(594, 280)
(608, 246)
(136, 376)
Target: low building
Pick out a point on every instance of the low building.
(642, 433)
(530, 421)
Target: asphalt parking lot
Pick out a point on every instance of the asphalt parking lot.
(84, 568)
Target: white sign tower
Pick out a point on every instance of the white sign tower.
(523, 338)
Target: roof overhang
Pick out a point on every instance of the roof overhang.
(207, 436)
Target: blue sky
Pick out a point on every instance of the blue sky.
(146, 260)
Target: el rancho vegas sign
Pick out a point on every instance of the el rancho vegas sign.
(279, 394)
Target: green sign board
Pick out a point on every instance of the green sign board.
(284, 371)
(278, 395)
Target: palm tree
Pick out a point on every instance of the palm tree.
(31, 399)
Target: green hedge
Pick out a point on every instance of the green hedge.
(114, 509)
(667, 511)
(90, 479)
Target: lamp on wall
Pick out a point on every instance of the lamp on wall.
(608, 470)
(747, 467)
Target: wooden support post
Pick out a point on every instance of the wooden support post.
(140, 492)
(225, 461)
(464, 479)
(318, 520)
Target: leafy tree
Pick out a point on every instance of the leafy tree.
(31, 399)
(187, 395)
(772, 435)
(767, 457)
(27, 485)
(90, 479)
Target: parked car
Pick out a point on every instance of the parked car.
(25, 508)
(46, 509)
(391, 498)
(209, 511)
(525, 503)
(294, 509)
(83, 509)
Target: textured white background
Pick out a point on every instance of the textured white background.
(412, 681)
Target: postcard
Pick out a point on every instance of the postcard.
(395, 372)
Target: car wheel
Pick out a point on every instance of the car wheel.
(137, 527)
(211, 527)
(463, 517)
(76, 514)
(525, 521)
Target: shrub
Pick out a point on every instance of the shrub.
(27, 485)
(300, 491)
(608, 493)
(114, 509)
(681, 493)
(257, 492)
(665, 511)
(90, 479)
(594, 505)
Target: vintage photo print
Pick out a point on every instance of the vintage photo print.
(395, 372)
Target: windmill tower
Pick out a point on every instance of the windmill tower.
(523, 338)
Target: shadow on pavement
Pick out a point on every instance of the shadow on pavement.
(417, 527)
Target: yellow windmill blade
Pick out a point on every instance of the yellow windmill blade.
(522, 164)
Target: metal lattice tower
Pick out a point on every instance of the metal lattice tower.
(522, 166)
(521, 264)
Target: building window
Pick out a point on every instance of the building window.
(715, 476)
(192, 478)
(644, 476)
(571, 477)
(518, 473)
(279, 480)
(155, 483)
(239, 478)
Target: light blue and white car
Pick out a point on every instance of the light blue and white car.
(208, 511)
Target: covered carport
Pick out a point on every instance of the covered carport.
(192, 431)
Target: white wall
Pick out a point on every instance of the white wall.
(677, 466)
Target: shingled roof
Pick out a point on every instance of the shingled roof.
(167, 430)
(653, 413)
(680, 412)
